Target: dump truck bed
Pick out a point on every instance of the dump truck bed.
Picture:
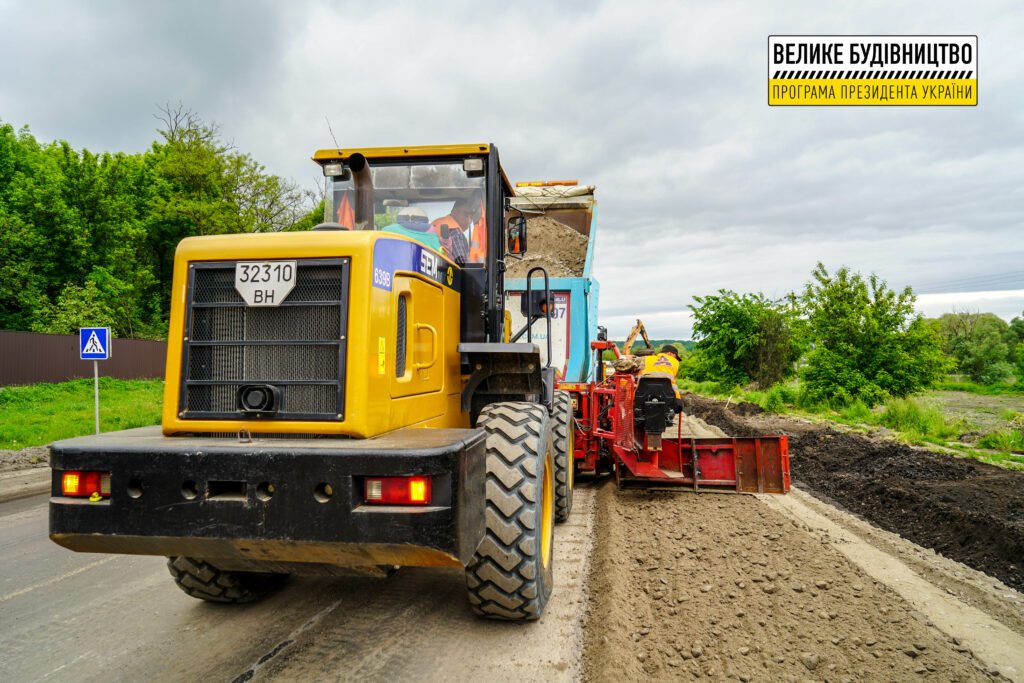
(561, 240)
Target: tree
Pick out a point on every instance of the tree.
(75, 307)
(743, 338)
(1016, 330)
(867, 342)
(100, 230)
(980, 343)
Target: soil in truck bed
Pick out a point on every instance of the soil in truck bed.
(553, 245)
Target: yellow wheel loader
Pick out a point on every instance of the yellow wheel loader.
(343, 399)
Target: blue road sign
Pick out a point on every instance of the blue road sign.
(94, 343)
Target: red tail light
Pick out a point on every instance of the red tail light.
(76, 484)
(397, 490)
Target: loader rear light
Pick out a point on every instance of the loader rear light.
(77, 484)
(397, 490)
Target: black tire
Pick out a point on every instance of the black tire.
(510, 576)
(561, 420)
(204, 581)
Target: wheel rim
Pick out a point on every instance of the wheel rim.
(547, 513)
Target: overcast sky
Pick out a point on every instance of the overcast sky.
(661, 105)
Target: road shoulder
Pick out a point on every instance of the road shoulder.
(24, 483)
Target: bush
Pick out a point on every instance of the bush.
(868, 344)
(858, 411)
(995, 373)
(774, 401)
(980, 343)
(743, 338)
(1019, 368)
(1007, 440)
(778, 398)
(918, 421)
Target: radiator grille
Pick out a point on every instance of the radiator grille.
(298, 346)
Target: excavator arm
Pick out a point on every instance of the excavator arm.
(638, 330)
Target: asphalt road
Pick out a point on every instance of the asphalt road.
(69, 616)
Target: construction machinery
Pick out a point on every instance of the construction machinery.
(357, 398)
(623, 421)
(345, 399)
(630, 422)
(568, 209)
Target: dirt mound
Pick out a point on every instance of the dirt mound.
(686, 586)
(553, 245)
(690, 427)
(716, 413)
(969, 511)
(746, 408)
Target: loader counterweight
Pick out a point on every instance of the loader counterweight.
(202, 497)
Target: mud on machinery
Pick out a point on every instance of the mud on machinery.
(351, 399)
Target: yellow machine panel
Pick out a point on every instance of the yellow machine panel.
(419, 325)
(382, 268)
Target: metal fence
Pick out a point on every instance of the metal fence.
(29, 358)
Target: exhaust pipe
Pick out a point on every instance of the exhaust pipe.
(362, 180)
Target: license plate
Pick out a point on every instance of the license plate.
(264, 283)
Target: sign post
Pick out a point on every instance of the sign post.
(94, 344)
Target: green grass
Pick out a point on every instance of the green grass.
(917, 422)
(982, 389)
(39, 414)
(1006, 440)
(911, 420)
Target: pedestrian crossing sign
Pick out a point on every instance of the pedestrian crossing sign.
(94, 343)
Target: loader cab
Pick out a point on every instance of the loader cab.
(456, 188)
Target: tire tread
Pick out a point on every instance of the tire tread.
(502, 578)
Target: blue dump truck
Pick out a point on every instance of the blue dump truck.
(561, 225)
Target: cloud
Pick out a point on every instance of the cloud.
(661, 105)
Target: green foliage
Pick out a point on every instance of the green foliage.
(710, 388)
(678, 343)
(980, 343)
(918, 421)
(39, 414)
(87, 236)
(996, 373)
(857, 412)
(1016, 330)
(867, 342)
(1018, 356)
(1006, 440)
(75, 307)
(743, 338)
(774, 400)
(981, 389)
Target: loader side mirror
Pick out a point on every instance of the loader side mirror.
(517, 235)
(533, 304)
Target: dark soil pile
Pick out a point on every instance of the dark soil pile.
(553, 245)
(969, 511)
